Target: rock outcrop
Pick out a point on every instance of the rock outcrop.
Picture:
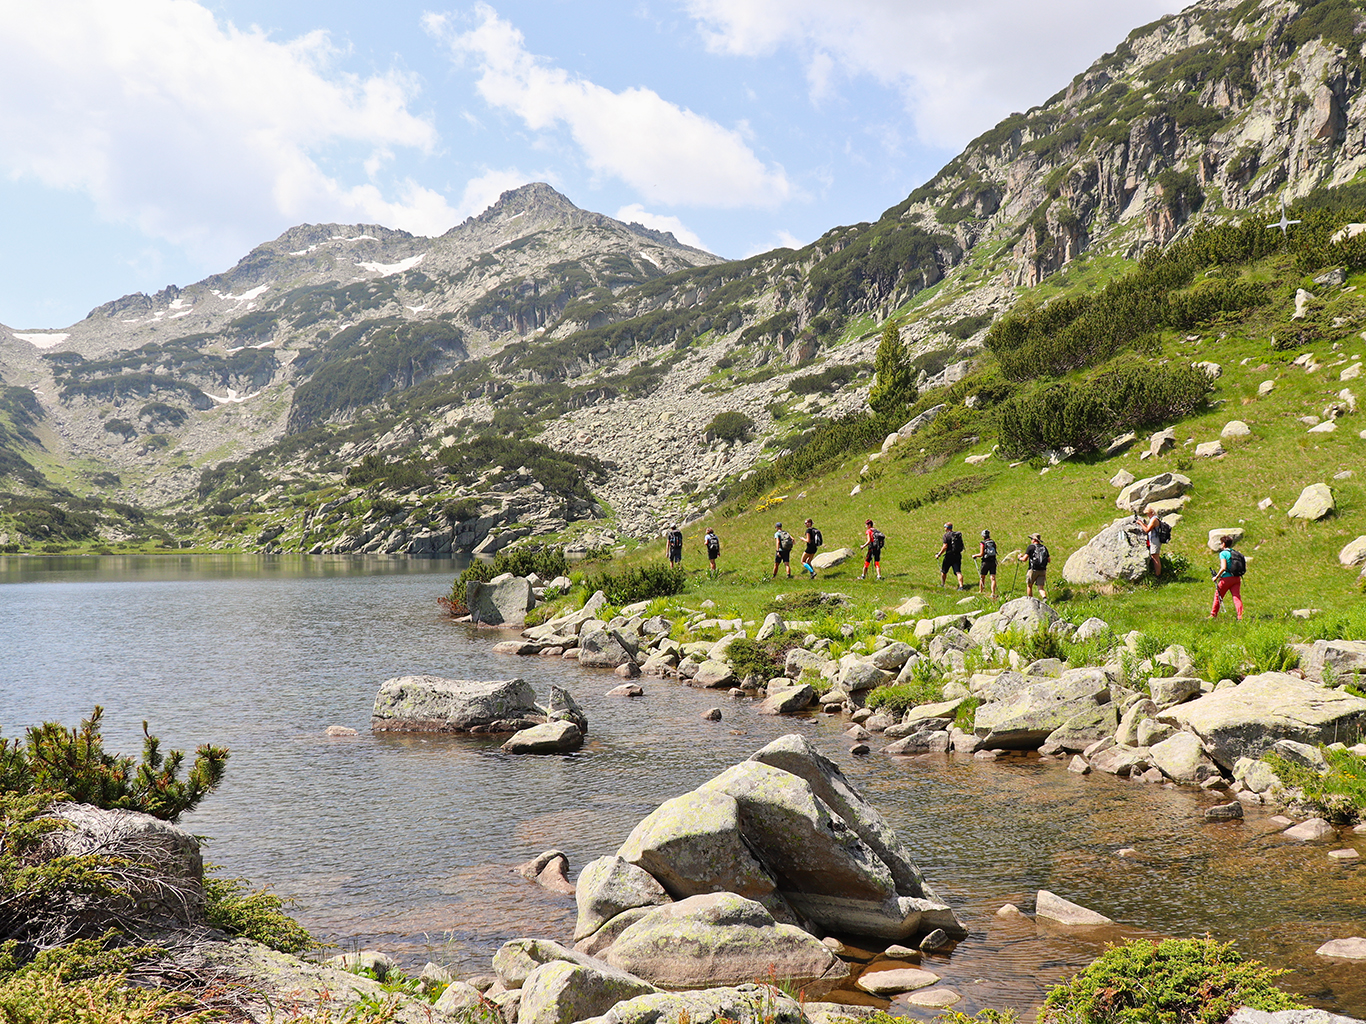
(433, 704)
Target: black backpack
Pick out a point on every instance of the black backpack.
(816, 537)
(1164, 532)
(713, 545)
(879, 539)
(956, 543)
(1039, 560)
(785, 542)
(988, 548)
(675, 541)
(1237, 564)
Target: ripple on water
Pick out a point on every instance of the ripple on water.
(408, 843)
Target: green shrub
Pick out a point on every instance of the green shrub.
(638, 583)
(1340, 794)
(54, 759)
(943, 492)
(545, 562)
(730, 425)
(258, 915)
(1041, 643)
(764, 658)
(898, 698)
(1176, 981)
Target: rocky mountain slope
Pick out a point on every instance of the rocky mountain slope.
(540, 366)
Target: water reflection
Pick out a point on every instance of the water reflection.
(408, 842)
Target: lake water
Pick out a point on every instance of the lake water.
(408, 843)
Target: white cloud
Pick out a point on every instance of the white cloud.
(482, 192)
(666, 152)
(960, 67)
(780, 240)
(196, 132)
(635, 213)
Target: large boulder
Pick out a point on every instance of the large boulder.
(433, 704)
(609, 886)
(563, 707)
(1343, 660)
(787, 700)
(1026, 614)
(515, 961)
(502, 601)
(1154, 488)
(1314, 502)
(561, 992)
(1118, 552)
(1353, 553)
(1182, 758)
(1024, 721)
(1247, 720)
(559, 737)
(164, 882)
(692, 844)
(723, 939)
(605, 648)
(830, 559)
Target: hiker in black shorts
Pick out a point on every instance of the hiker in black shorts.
(713, 544)
(986, 565)
(812, 538)
(782, 550)
(674, 543)
(951, 553)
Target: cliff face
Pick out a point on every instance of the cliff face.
(1205, 113)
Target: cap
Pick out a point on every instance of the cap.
(948, 526)
(1035, 536)
(808, 521)
(986, 533)
(867, 522)
(777, 526)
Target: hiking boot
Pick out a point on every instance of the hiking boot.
(864, 576)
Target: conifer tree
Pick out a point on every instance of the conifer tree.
(894, 389)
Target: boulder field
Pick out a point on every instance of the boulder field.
(1171, 726)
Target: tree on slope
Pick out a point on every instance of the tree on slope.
(894, 388)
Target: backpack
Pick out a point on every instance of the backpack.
(1039, 560)
(784, 542)
(1237, 564)
(989, 549)
(713, 545)
(816, 537)
(1164, 532)
(956, 543)
(675, 541)
(879, 539)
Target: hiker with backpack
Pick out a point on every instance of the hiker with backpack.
(1158, 534)
(813, 540)
(782, 552)
(713, 544)
(872, 549)
(986, 563)
(1036, 554)
(1229, 578)
(674, 545)
(951, 553)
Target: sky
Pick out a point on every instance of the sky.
(154, 142)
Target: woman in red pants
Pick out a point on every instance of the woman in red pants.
(1232, 565)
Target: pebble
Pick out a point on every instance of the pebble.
(859, 749)
(1347, 854)
(711, 715)
(340, 730)
(934, 997)
(1224, 812)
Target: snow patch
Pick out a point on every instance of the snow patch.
(179, 304)
(233, 397)
(42, 340)
(416, 309)
(388, 269)
(646, 256)
(250, 294)
(177, 316)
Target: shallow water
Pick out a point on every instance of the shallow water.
(407, 843)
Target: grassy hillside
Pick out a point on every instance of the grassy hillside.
(924, 481)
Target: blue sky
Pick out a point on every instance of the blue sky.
(151, 142)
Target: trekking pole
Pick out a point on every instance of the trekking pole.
(1015, 575)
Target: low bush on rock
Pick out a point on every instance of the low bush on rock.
(1338, 794)
(638, 583)
(229, 904)
(1176, 981)
(545, 562)
(764, 658)
(898, 698)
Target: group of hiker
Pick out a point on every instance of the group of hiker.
(951, 553)
(1227, 578)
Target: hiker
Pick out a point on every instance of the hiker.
(673, 545)
(813, 541)
(1153, 526)
(713, 544)
(782, 551)
(1229, 579)
(951, 552)
(986, 563)
(1037, 557)
(872, 549)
